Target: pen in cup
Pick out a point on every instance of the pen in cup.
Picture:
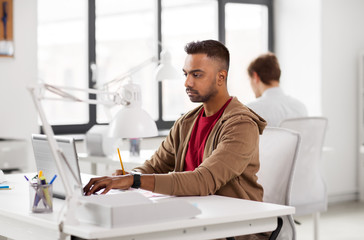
(34, 186)
(45, 191)
(30, 183)
(54, 177)
(121, 162)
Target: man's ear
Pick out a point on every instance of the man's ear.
(255, 77)
(221, 77)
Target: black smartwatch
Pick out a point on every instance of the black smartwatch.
(136, 182)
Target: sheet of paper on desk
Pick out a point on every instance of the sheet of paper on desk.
(150, 195)
(116, 199)
(130, 208)
(145, 193)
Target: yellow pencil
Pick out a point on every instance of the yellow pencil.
(121, 162)
(40, 173)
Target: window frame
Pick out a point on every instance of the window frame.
(161, 124)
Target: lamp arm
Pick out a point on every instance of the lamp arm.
(129, 95)
(130, 72)
(108, 98)
(70, 168)
(56, 152)
(111, 99)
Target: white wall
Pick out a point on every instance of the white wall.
(297, 45)
(343, 39)
(318, 43)
(18, 117)
(17, 109)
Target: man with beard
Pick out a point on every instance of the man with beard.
(212, 149)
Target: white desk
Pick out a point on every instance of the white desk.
(13, 154)
(128, 162)
(221, 217)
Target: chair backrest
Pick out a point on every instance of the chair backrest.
(308, 193)
(278, 150)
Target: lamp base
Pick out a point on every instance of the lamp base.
(94, 140)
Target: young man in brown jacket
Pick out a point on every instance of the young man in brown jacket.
(212, 149)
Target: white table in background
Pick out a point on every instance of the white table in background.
(129, 162)
(221, 217)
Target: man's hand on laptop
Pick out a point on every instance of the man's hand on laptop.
(107, 183)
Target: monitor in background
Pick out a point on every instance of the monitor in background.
(44, 161)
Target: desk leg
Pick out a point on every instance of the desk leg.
(316, 218)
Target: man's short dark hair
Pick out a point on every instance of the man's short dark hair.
(213, 49)
(267, 68)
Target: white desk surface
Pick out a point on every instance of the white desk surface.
(221, 217)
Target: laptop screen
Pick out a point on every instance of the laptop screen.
(45, 162)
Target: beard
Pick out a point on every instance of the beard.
(197, 97)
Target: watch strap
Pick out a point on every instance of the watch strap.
(136, 182)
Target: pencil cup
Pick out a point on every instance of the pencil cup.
(40, 198)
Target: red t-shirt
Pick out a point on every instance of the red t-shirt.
(200, 132)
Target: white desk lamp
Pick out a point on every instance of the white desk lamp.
(121, 126)
(130, 122)
(165, 70)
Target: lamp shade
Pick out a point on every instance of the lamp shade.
(165, 70)
(132, 122)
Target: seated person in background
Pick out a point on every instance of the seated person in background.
(271, 103)
(212, 149)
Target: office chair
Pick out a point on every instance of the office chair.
(308, 193)
(278, 150)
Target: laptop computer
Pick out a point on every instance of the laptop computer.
(44, 161)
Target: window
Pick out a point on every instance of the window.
(183, 22)
(246, 34)
(62, 55)
(125, 38)
(114, 36)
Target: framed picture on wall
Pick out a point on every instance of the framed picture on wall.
(6, 28)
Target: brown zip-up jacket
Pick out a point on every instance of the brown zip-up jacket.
(230, 161)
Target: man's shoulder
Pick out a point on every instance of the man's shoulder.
(274, 97)
(236, 108)
(241, 114)
(295, 103)
(259, 103)
(235, 103)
